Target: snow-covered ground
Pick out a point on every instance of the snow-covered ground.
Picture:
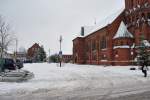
(71, 77)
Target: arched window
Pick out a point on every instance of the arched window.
(148, 15)
(103, 57)
(103, 43)
(94, 45)
(138, 2)
(145, 1)
(128, 43)
(87, 47)
(116, 52)
(131, 4)
(116, 43)
(94, 56)
(87, 56)
(143, 15)
(121, 43)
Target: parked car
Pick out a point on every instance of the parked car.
(28, 61)
(7, 63)
(19, 64)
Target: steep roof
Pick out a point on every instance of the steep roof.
(123, 32)
(103, 23)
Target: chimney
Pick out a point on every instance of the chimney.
(82, 31)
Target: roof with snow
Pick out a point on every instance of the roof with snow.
(87, 29)
(103, 23)
(123, 32)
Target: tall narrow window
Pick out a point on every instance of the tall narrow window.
(94, 45)
(131, 3)
(94, 56)
(121, 43)
(103, 43)
(148, 15)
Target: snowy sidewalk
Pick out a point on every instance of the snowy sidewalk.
(73, 80)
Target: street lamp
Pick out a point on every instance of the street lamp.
(16, 49)
(60, 52)
(49, 56)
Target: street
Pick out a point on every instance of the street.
(78, 82)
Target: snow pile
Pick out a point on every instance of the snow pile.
(123, 46)
(70, 77)
(123, 32)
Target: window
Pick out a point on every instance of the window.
(103, 57)
(148, 15)
(143, 15)
(116, 52)
(122, 43)
(103, 43)
(138, 2)
(87, 56)
(94, 45)
(116, 43)
(32, 49)
(131, 3)
(94, 56)
(128, 43)
(87, 47)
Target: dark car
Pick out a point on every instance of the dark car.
(19, 64)
(7, 63)
(28, 61)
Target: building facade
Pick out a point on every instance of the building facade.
(67, 58)
(114, 42)
(32, 51)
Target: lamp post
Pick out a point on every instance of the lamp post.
(60, 52)
(16, 50)
(132, 48)
(49, 56)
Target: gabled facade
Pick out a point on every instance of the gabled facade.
(32, 51)
(114, 43)
(66, 58)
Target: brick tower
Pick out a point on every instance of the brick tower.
(123, 40)
(137, 18)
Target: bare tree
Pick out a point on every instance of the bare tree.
(6, 37)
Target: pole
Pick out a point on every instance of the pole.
(49, 56)
(16, 49)
(60, 52)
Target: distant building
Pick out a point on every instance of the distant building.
(7, 55)
(114, 40)
(32, 51)
(19, 55)
(67, 58)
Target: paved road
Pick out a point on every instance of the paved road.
(139, 96)
(133, 92)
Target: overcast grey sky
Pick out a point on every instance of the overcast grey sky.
(43, 21)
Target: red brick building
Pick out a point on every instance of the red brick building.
(31, 52)
(67, 58)
(114, 41)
